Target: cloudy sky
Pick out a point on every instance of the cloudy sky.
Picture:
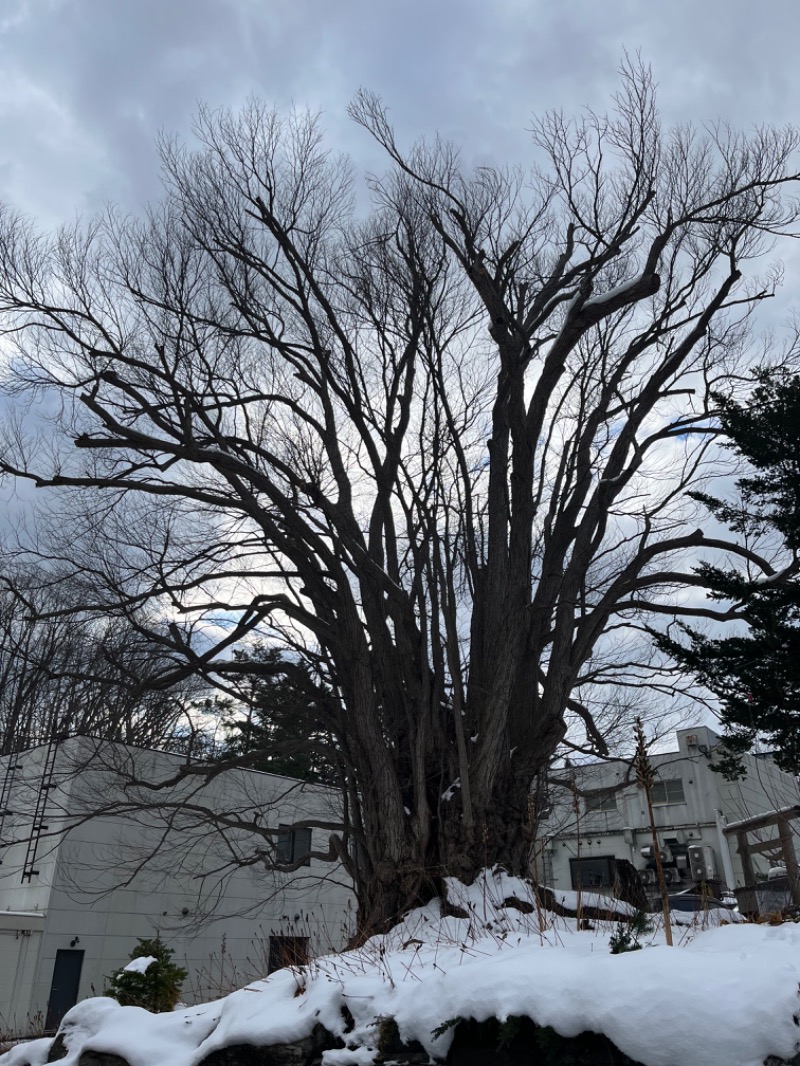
(85, 85)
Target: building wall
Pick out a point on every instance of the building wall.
(29, 894)
(624, 831)
(20, 939)
(165, 862)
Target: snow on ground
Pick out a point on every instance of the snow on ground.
(725, 995)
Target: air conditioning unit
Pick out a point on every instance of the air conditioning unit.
(649, 853)
(701, 862)
(650, 876)
(691, 740)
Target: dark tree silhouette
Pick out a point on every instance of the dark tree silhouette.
(282, 723)
(442, 447)
(756, 674)
(65, 673)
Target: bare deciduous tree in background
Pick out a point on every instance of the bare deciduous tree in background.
(442, 448)
(62, 673)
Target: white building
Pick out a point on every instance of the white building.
(164, 861)
(604, 819)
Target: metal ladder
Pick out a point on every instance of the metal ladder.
(5, 796)
(40, 812)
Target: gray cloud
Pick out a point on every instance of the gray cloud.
(87, 84)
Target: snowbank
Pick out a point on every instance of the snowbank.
(724, 996)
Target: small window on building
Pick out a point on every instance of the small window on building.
(597, 872)
(666, 792)
(600, 799)
(287, 951)
(294, 845)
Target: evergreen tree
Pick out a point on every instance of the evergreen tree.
(155, 985)
(279, 726)
(756, 675)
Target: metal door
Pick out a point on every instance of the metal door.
(64, 989)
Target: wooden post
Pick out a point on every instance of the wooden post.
(576, 807)
(789, 857)
(662, 883)
(747, 861)
(644, 779)
(748, 898)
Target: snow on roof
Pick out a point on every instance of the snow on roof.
(724, 996)
(753, 822)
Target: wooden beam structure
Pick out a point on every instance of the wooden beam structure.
(784, 845)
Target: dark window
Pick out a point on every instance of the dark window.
(64, 989)
(668, 791)
(596, 872)
(287, 951)
(294, 845)
(600, 799)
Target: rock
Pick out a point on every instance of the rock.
(408, 1057)
(58, 1049)
(520, 1042)
(393, 1052)
(247, 1055)
(300, 1053)
(101, 1058)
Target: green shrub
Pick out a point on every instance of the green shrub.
(627, 935)
(158, 988)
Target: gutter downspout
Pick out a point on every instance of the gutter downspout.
(725, 850)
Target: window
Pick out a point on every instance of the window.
(600, 799)
(294, 845)
(287, 951)
(666, 792)
(599, 872)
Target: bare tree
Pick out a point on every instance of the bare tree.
(63, 674)
(442, 448)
